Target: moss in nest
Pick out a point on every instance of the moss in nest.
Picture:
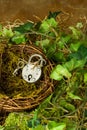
(16, 86)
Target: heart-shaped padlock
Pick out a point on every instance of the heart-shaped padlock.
(32, 71)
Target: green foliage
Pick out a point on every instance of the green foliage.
(7, 33)
(16, 121)
(74, 46)
(74, 63)
(1, 127)
(59, 71)
(81, 53)
(68, 106)
(76, 32)
(52, 125)
(68, 53)
(53, 14)
(39, 127)
(71, 125)
(64, 40)
(44, 44)
(72, 96)
(18, 38)
(47, 25)
(24, 28)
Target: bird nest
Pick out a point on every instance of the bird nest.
(15, 93)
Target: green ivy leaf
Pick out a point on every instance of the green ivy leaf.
(70, 65)
(52, 125)
(80, 63)
(80, 54)
(52, 22)
(75, 32)
(24, 28)
(44, 44)
(18, 38)
(82, 51)
(72, 96)
(75, 46)
(7, 32)
(63, 41)
(59, 71)
(74, 63)
(47, 24)
(55, 75)
(58, 56)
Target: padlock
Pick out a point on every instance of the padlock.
(32, 70)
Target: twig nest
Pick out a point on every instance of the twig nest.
(18, 93)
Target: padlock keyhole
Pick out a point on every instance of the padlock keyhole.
(29, 77)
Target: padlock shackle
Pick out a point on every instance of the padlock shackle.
(41, 59)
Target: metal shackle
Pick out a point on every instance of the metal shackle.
(41, 59)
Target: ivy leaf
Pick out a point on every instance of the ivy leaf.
(53, 14)
(7, 32)
(70, 65)
(18, 38)
(24, 28)
(28, 26)
(63, 40)
(44, 28)
(75, 46)
(80, 63)
(58, 56)
(44, 44)
(55, 75)
(47, 24)
(74, 63)
(52, 22)
(80, 54)
(82, 51)
(75, 32)
(72, 96)
(52, 125)
(59, 71)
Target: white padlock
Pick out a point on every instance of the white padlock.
(31, 72)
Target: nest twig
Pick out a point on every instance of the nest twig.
(42, 88)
